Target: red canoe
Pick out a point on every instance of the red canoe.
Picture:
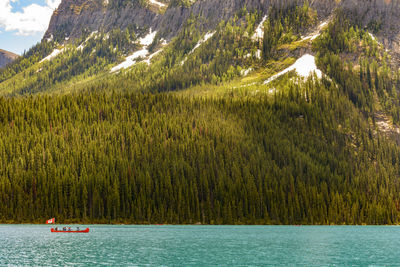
(61, 231)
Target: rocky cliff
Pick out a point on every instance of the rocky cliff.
(381, 17)
(72, 17)
(6, 57)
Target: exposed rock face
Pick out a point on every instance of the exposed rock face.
(94, 15)
(382, 17)
(73, 16)
(6, 57)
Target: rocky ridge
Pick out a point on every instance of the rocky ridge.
(6, 57)
(73, 17)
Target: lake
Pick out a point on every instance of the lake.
(34, 245)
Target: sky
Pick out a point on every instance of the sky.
(24, 22)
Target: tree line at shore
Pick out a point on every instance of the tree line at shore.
(162, 158)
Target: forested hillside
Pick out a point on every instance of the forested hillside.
(175, 159)
(216, 126)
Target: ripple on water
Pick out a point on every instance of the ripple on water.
(33, 245)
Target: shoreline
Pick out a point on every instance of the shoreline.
(184, 224)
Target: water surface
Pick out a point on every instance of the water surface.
(34, 245)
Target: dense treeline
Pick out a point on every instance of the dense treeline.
(88, 56)
(183, 63)
(34, 55)
(307, 152)
(373, 75)
(161, 158)
(284, 25)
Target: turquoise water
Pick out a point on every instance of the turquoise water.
(34, 245)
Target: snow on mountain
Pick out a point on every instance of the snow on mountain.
(151, 56)
(206, 37)
(314, 35)
(53, 54)
(154, 2)
(148, 39)
(259, 32)
(202, 40)
(131, 60)
(304, 67)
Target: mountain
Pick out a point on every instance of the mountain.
(167, 17)
(6, 57)
(218, 112)
(72, 18)
(381, 17)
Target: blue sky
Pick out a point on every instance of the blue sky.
(23, 22)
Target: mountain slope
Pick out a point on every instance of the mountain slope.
(74, 16)
(6, 58)
(284, 112)
(97, 15)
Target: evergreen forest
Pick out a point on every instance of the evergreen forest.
(188, 138)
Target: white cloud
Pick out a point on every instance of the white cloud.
(53, 4)
(32, 20)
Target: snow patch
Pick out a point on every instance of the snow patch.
(206, 37)
(148, 39)
(203, 40)
(311, 37)
(259, 32)
(258, 53)
(50, 38)
(53, 54)
(317, 33)
(93, 34)
(245, 72)
(131, 60)
(163, 42)
(304, 67)
(83, 44)
(373, 37)
(154, 2)
(151, 56)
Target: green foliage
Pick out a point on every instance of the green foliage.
(343, 40)
(34, 55)
(286, 159)
(307, 152)
(181, 65)
(93, 55)
(284, 25)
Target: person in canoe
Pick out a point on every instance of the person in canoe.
(69, 229)
(64, 228)
(77, 228)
